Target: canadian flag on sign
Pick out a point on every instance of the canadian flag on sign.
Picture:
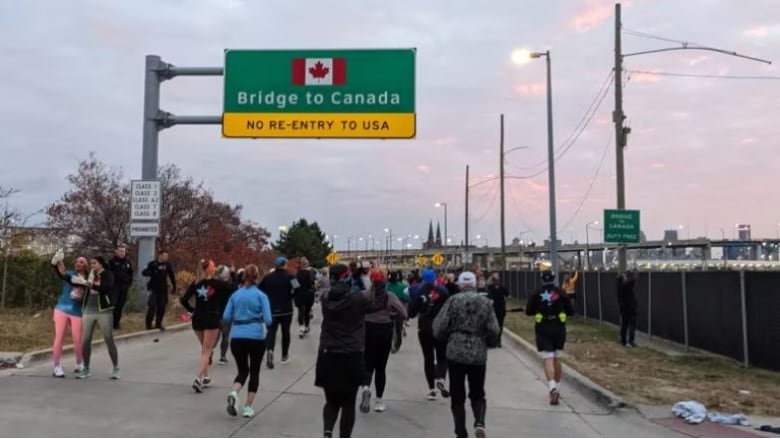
(319, 71)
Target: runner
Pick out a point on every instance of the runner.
(426, 301)
(159, 273)
(340, 369)
(450, 285)
(279, 285)
(379, 337)
(304, 296)
(98, 310)
(497, 292)
(550, 307)
(400, 289)
(249, 311)
(468, 322)
(68, 311)
(234, 281)
(123, 277)
(209, 294)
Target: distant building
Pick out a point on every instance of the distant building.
(744, 253)
(433, 242)
(39, 240)
(743, 232)
(671, 236)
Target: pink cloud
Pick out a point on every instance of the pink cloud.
(756, 32)
(659, 165)
(536, 187)
(531, 88)
(697, 60)
(424, 169)
(748, 140)
(447, 140)
(645, 77)
(603, 120)
(596, 13)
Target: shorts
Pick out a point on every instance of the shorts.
(339, 370)
(205, 322)
(550, 339)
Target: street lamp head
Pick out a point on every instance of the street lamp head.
(387, 230)
(437, 204)
(522, 56)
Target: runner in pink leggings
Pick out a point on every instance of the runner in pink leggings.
(68, 311)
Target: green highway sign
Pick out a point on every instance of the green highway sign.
(361, 93)
(621, 226)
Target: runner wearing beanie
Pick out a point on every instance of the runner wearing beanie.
(232, 283)
(468, 323)
(427, 298)
(280, 286)
(550, 306)
(209, 293)
(340, 369)
(68, 311)
(98, 310)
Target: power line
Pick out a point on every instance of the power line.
(640, 34)
(699, 75)
(592, 181)
(492, 202)
(524, 224)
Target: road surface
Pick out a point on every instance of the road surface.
(154, 398)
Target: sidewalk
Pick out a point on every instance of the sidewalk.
(154, 398)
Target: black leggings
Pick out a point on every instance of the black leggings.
(379, 338)
(475, 374)
(304, 311)
(340, 399)
(285, 322)
(434, 369)
(248, 354)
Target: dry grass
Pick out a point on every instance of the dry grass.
(648, 376)
(24, 331)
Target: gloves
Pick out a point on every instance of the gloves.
(91, 277)
(58, 257)
(78, 280)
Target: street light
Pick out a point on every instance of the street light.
(587, 241)
(521, 56)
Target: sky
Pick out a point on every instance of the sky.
(702, 155)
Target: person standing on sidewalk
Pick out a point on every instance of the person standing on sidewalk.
(280, 286)
(550, 306)
(248, 312)
(68, 311)
(340, 366)
(122, 268)
(427, 298)
(159, 273)
(628, 308)
(497, 292)
(468, 323)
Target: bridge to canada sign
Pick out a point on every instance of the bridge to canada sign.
(320, 94)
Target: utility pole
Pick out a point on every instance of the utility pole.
(466, 240)
(620, 136)
(501, 177)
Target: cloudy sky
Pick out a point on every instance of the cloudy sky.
(703, 153)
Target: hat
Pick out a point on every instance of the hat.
(467, 278)
(428, 276)
(548, 277)
(280, 262)
(377, 276)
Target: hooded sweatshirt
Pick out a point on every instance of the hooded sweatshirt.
(279, 288)
(394, 307)
(343, 317)
(426, 301)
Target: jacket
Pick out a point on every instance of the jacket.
(394, 309)
(70, 295)
(548, 304)
(626, 299)
(426, 301)
(159, 273)
(467, 321)
(102, 284)
(249, 312)
(400, 290)
(211, 296)
(279, 288)
(305, 290)
(343, 318)
(498, 294)
(122, 269)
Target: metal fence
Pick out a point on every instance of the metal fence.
(735, 314)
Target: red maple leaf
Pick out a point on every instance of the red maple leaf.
(319, 70)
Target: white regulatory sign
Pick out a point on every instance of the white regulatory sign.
(142, 230)
(145, 200)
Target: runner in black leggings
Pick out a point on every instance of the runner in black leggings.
(248, 310)
(427, 299)
(379, 338)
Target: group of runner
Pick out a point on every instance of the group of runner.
(365, 312)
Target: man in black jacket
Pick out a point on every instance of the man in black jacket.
(304, 296)
(122, 268)
(628, 308)
(280, 286)
(498, 293)
(159, 273)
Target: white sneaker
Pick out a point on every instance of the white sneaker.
(379, 405)
(58, 372)
(432, 395)
(79, 368)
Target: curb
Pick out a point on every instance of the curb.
(32, 357)
(584, 384)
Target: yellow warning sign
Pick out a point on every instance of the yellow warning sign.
(332, 258)
(421, 260)
(437, 259)
(320, 125)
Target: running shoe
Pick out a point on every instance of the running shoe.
(79, 368)
(84, 374)
(479, 431)
(301, 332)
(197, 385)
(327, 434)
(207, 382)
(248, 412)
(432, 395)
(115, 373)
(445, 393)
(555, 395)
(223, 361)
(58, 372)
(365, 400)
(269, 360)
(285, 359)
(232, 400)
(379, 406)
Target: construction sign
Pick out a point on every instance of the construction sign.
(437, 259)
